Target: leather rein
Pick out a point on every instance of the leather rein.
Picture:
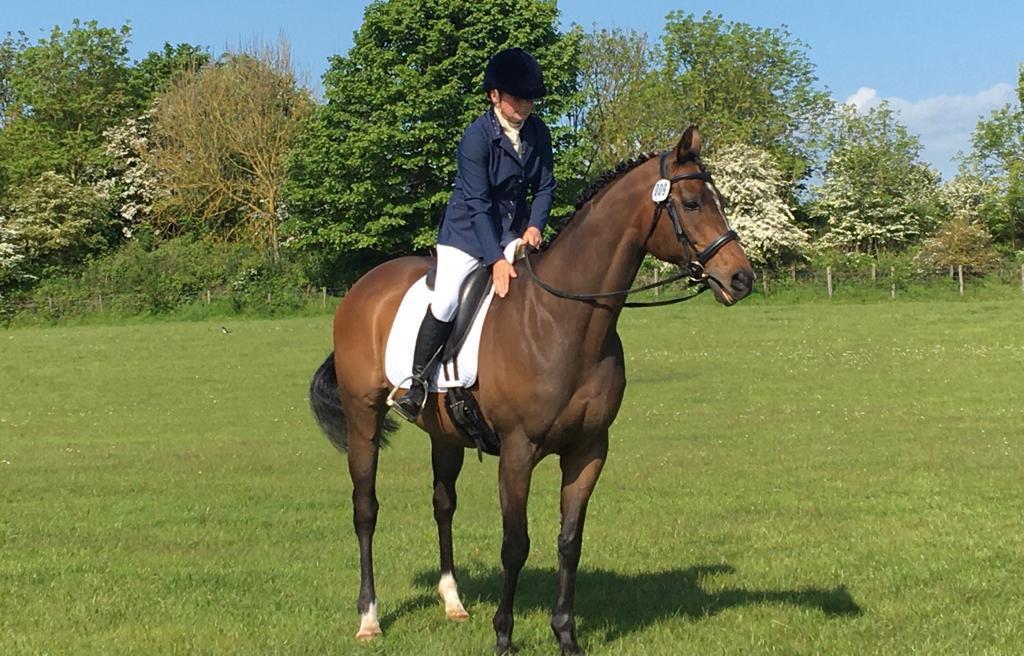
(695, 273)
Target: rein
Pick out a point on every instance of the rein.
(695, 272)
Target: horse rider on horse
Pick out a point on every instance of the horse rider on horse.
(504, 155)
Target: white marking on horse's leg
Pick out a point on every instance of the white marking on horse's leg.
(449, 591)
(369, 627)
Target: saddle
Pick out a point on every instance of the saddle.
(461, 405)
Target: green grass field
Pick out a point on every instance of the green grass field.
(794, 479)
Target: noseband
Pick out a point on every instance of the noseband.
(695, 273)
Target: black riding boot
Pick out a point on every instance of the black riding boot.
(432, 336)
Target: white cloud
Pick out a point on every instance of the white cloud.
(944, 123)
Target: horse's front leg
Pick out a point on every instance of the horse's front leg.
(362, 466)
(447, 463)
(515, 470)
(580, 471)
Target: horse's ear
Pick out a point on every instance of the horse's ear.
(690, 145)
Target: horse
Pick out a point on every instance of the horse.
(551, 368)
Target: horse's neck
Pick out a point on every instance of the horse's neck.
(599, 251)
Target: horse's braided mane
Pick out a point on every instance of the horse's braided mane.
(607, 177)
(601, 182)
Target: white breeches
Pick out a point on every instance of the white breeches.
(453, 265)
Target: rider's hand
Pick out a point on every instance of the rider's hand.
(532, 237)
(501, 272)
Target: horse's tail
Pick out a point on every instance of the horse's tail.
(325, 402)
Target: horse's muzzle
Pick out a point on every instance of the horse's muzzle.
(741, 283)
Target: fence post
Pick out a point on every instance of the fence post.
(960, 275)
(764, 281)
(323, 297)
(49, 299)
(892, 278)
(874, 272)
(828, 278)
(657, 278)
(792, 273)
(207, 296)
(100, 297)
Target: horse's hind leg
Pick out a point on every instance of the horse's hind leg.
(447, 462)
(580, 471)
(363, 426)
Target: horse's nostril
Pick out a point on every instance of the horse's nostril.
(741, 282)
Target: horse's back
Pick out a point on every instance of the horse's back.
(363, 320)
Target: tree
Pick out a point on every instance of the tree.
(757, 193)
(65, 91)
(623, 109)
(960, 242)
(876, 192)
(12, 254)
(131, 184)
(744, 84)
(153, 74)
(220, 138)
(10, 47)
(371, 175)
(56, 222)
(997, 155)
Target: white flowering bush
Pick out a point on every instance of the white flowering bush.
(12, 254)
(968, 195)
(758, 210)
(57, 221)
(132, 185)
(876, 193)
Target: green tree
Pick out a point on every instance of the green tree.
(876, 192)
(623, 109)
(373, 171)
(9, 49)
(154, 73)
(997, 155)
(745, 84)
(66, 90)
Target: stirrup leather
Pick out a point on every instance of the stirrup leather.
(395, 404)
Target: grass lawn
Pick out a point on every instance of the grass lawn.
(794, 479)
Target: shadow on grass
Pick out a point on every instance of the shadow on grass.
(618, 604)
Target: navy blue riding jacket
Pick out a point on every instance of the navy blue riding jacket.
(488, 207)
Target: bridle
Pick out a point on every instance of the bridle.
(695, 271)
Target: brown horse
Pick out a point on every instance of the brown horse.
(551, 373)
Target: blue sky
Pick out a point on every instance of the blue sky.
(942, 64)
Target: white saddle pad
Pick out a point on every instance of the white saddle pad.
(402, 341)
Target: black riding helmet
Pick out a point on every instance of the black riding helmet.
(515, 71)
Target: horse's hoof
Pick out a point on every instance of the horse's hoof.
(449, 591)
(503, 648)
(367, 633)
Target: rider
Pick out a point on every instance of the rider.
(503, 155)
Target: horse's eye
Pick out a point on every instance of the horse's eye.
(691, 205)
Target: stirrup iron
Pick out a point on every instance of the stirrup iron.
(393, 403)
